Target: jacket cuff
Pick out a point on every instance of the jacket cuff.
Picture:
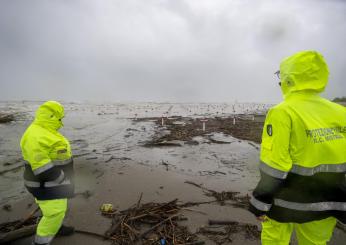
(258, 208)
(255, 211)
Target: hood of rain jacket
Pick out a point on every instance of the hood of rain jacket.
(49, 115)
(304, 71)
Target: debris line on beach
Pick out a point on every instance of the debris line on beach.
(150, 223)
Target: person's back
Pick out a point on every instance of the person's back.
(303, 157)
(48, 174)
(318, 130)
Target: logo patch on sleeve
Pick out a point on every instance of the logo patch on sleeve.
(270, 129)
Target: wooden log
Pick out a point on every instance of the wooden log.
(31, 230)
(30, 215)
(222, 222)
(195, 243)
(92, 234)
(17, 234)
(156, 226)
(12, 169)
(139, 200)
(113, 228)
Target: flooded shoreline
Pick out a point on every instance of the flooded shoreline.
(107, 133)
(114, 163)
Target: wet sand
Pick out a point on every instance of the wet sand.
(112, 165)
(122, 184)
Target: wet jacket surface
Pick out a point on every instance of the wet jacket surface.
(303, 150)
(48, 171)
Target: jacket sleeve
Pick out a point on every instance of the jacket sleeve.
(63, 158)
(43, 166)
(275, 160)
(44, 169)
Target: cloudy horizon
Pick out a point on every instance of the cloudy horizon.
(163, 50)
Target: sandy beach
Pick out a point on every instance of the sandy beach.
(115, 162)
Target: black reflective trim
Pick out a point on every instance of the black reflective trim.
(51, 193)
(285, 215)
(309, 198)
(57, 182)
(55, 189)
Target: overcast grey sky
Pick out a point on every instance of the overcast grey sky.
(163, 50)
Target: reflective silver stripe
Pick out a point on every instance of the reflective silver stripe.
(50, 165)
(43, 239)
(32, 184)
(43, 168)
(317, 206)
(272, 171)
(55, 182)
(62, 162)
(323, 168)
(260, 205)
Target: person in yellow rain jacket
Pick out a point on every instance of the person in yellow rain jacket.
(303, 158)
(48, 174)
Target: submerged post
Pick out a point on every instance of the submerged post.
(203, 124)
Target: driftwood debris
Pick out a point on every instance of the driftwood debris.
(25, 220)
(244, 129)
(89, 233)
(30, 230)
(15, 230)
(149, 223)
(12, 169)
(10, 236)
(11, 231)
(236, 200)
(221, 231)
(6, 117)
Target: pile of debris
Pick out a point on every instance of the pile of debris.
(221, 232)
(149, 223)
(238, 127)
(6, 117)
(158, 220)
(11, 231)
(154, 223)
(14, 225)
